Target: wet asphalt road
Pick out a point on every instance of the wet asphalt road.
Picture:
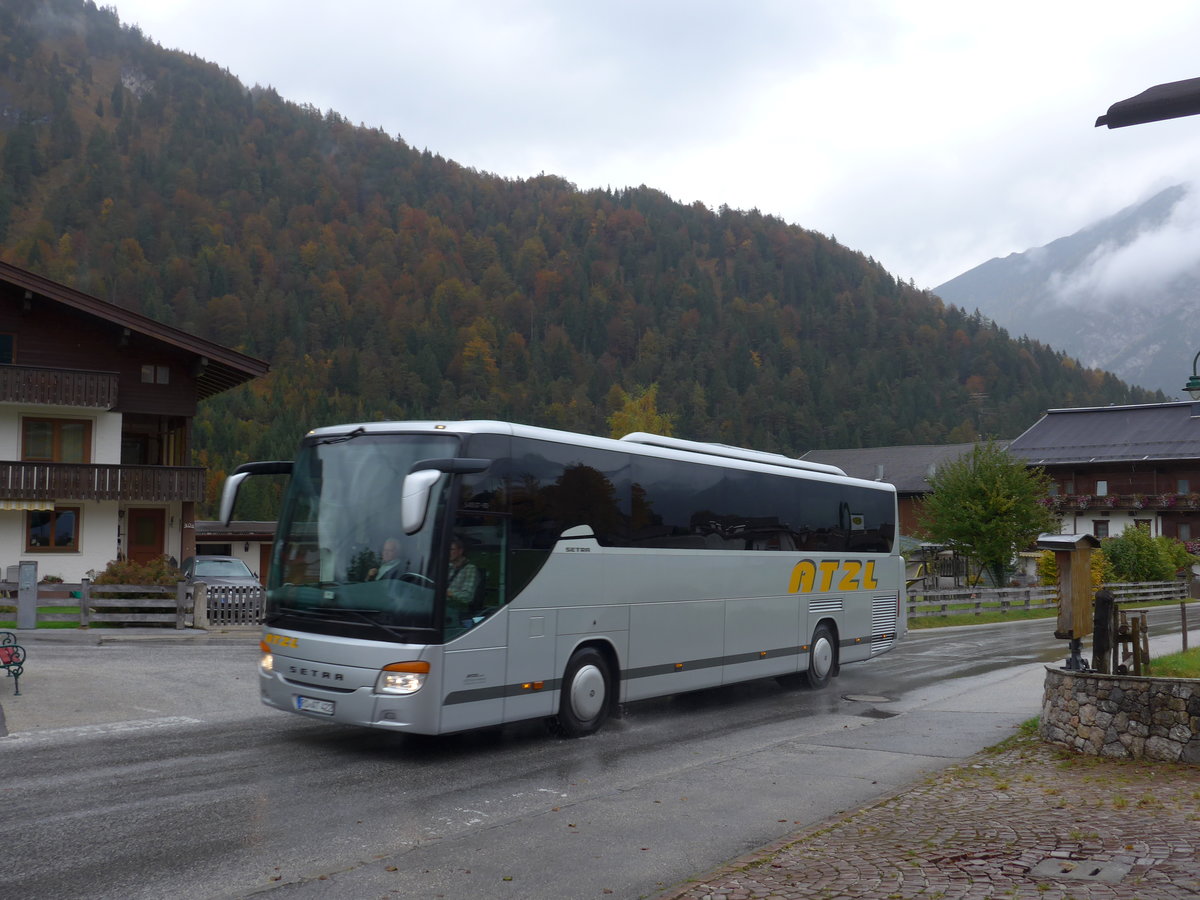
(141, 769)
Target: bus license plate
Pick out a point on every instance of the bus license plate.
(311, 704)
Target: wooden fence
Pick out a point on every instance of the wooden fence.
(199, 606)
(976, 601)
(178, 606)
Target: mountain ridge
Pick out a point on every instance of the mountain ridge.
(1057, 293)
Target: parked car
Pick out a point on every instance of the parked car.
(218, 570)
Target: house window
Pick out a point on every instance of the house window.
(56, 440)
(156, 374)
(1068, 487)
(1100, 528)
(1101, 489)
(51, 530)
(6, 349)
(1183, 486)
(1184, 531)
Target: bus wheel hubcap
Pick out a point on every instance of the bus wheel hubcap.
(587, 693)
(822, 657)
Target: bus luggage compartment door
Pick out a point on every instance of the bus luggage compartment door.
(531, 666)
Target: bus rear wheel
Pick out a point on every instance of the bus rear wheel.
(585, 694)
(822, 657)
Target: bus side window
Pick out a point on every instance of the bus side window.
(484, 542)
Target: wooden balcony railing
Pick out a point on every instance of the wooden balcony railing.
(58, 387)
(82, 481)
(1076, 502)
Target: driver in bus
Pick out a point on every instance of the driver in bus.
(390, 565)
(462, 581)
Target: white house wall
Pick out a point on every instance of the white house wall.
(97, 542)
(106, 429)
(101, 532)
(1118, 521)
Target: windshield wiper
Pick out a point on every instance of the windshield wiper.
(341, 438)
(349, 615)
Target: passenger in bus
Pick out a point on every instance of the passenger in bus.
(389, 567)
(462, 582)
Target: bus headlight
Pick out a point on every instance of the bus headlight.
(401, 678)
(266, 663)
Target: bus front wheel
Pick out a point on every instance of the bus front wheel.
(822, 657)
(584, 697)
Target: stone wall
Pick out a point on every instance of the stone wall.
(1123, 716)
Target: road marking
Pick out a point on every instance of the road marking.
(109, 728)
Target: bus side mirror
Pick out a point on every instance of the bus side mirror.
(234, 482)
(414, 498)
(229, 495)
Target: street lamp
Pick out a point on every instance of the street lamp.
(1193, 385)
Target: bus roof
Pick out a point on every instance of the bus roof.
(725, 450)
(676, 448)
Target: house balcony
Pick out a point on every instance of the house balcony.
(58, 387)
(1092, 502)
(84, 481)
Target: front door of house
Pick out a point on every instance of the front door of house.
(147, 534)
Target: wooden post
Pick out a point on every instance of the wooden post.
(1073, 554)
(1103, 632)
(1145, 646)
(1183, 623)
(1135, 636)
(1075, 592)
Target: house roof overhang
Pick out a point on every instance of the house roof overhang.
(1163, 101)
(216, 369)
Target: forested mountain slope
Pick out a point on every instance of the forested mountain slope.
(385, 282)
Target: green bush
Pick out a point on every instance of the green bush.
(158, 571)
(1177, 553)
(1136, 556)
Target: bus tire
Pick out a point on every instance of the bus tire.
(822, 657)
(585, 697)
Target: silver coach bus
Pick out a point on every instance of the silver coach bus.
(432, 577)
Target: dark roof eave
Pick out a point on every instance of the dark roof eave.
(224, 368)
(1030, 459)
(1163, 101)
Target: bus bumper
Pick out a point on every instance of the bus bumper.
(352, 704)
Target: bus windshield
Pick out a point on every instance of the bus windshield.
(343, 563)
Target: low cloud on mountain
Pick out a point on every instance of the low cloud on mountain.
(1160, 257)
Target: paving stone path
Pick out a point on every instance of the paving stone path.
(1027, 820)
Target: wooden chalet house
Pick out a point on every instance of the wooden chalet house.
(1117, 466)
(96, 409)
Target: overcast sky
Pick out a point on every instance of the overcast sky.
(932, 136)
